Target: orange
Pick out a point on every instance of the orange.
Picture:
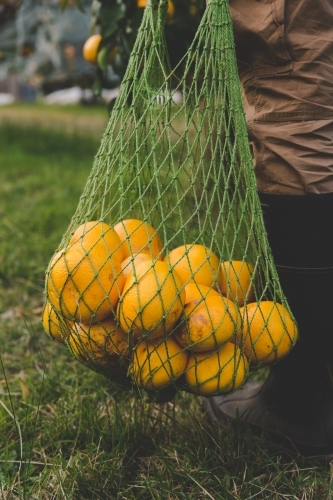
(152, 300)
(208, 324)
(268, 331)
(170, 11)
(113, 52)
(156, 365)
(221, 372)
(84, 286)
(130, 263)
(194, 291)
(92, 232)
(104, 342)
(139, 236)
(58, 330)
(171, 8)
(90, 48)
(193, 10)
(236, 282)
(195, 264)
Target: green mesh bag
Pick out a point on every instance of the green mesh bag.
(165, 276)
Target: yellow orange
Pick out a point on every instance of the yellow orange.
(93, 232)
(157, 364)
(236, 281)
(139, 236)
(113, 52)
(170, 11)
(220, 372)
(90, 48)
(171, 8)
(130, 263)
(208, 324)
(268, 331)
(53, 327)
(103, 343)
(152, 300)
(195, 264)
(194, 291)
(193, 10)
(84, 286)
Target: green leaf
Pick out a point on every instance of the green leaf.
(98, 83)
(110, 15)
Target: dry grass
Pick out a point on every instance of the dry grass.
(68, 119)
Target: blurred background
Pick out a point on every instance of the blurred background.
(41, 46)
(41, 54)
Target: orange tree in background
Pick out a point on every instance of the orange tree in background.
(117, 22)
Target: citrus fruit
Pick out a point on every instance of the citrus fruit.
(268, 331)
(195, 264)
(193, 291)
(90, 48)
(193, 10)
(152, 300)
(104, 342)
(157, 364)
(236, 281)
(171, 8)
(216, 372)
(208, 323)
(139, 236)
(53, 327)
(84, 286)
(130, 263)
(93, 232)
(113, 52)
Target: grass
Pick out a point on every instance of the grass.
(71, 118)
(67, 432)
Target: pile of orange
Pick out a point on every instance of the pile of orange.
(116, 299)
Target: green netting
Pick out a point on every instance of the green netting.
(174, 183)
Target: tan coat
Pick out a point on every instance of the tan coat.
(285, 57)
